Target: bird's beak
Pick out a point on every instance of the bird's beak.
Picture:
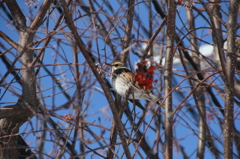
(109, 64)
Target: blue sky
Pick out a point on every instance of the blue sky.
(98, 110)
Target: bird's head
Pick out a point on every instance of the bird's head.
(117, 65)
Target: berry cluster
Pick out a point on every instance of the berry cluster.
(67, 117)
(186, 3)
(144, 75)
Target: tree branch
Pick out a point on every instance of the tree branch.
(9, 40)
(128, 29)
(19, 18)
(40, 15)
(102, 83)
(171, 18)
(230, 73)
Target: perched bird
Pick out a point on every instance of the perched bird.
(122, 80)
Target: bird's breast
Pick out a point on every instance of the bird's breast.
(120, 84)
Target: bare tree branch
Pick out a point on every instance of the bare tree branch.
(53, 69)
(17, 14)
(230, 72)
(38, 19)
(102, 83)
(171, 18)
(128, 29)
(9, 40)
(198, 94)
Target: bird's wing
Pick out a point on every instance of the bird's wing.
(130, 77)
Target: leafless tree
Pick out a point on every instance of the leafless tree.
(57, 101)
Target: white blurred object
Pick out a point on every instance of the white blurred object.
(205, 50)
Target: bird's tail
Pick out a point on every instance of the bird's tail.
(156, 100)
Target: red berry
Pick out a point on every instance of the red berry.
(144, 62)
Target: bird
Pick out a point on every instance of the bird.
(122, 80)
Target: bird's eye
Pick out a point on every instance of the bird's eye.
(116, 65)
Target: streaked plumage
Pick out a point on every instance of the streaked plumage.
(122, 79)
